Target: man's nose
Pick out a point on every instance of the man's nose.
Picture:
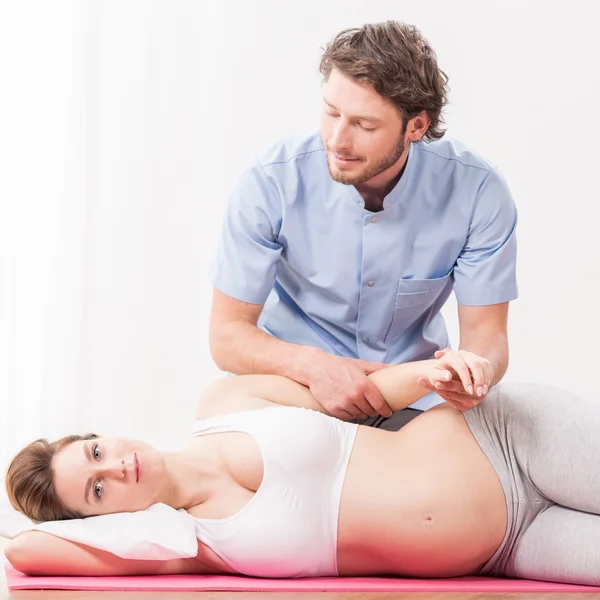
(339, 137)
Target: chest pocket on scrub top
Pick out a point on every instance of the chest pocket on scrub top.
(413, 299)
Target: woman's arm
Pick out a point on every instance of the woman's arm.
(397, 384)
(41, 553)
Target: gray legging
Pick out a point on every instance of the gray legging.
(545, 446)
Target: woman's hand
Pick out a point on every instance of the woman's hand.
(460, 377)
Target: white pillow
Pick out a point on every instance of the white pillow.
(157, 533)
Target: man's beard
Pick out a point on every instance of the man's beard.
(383, 165)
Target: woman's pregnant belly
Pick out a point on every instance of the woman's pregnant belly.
(422, 502)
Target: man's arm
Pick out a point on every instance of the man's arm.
(484, 283)
(339, 384)
(483, 331)
(484, 352)
(237, 345)
(243, 273)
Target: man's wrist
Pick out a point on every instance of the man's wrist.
(497, 363)
(303, 363)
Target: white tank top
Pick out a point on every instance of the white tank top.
(289, 527)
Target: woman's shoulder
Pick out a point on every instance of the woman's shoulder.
(229, 404)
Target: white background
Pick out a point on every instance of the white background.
(124, 124)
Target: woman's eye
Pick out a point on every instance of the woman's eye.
(97, 453)
(98, 489)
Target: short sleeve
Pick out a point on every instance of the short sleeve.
(485, 272)
(245, 262)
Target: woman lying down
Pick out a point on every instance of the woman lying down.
(508, 488)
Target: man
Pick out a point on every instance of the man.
(339, 249)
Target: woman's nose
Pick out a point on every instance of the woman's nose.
(116, 469)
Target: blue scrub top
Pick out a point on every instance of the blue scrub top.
(361, 284)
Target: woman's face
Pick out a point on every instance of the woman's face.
(107, 475)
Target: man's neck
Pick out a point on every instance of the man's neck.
(376, 189)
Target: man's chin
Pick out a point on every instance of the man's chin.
(345, 177)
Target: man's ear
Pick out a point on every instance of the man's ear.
(417, 127)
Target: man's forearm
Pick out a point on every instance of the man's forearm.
(242, 348)
(492, 347)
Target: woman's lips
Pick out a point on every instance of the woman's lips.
(137, 467)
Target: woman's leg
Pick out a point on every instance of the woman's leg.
(555, 440)
(561, 545)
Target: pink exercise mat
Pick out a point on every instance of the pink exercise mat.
(186, 583)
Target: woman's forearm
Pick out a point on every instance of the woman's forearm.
(398, 384)
(40, 553)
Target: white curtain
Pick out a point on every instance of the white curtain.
(43, 219)
(106, 179)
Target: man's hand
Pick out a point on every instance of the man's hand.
(341, 386)
(461, 378)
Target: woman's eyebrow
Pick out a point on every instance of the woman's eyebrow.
(86, 494)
